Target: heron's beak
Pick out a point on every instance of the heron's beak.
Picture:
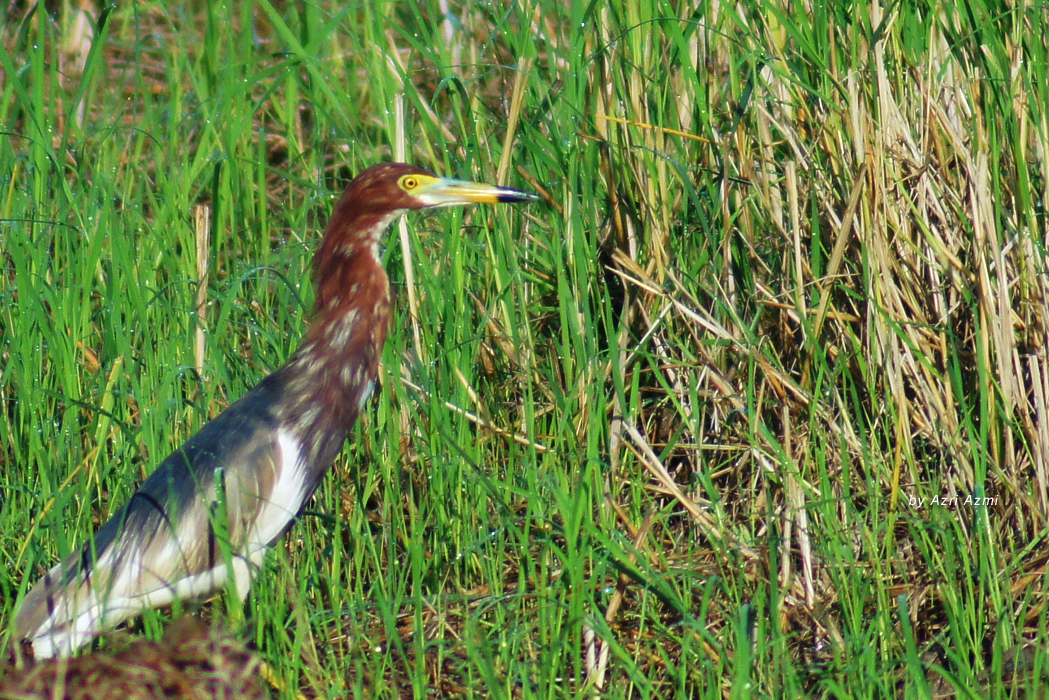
(443, 192)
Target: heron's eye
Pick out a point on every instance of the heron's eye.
(409, 183)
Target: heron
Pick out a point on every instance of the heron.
(204, 519)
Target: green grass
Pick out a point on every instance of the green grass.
(664, 435)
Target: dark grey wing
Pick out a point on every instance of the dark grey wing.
(201, 520)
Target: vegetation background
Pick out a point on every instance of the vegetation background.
(754, 404)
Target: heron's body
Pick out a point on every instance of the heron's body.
(207, 515)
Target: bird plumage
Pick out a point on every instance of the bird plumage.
(206, 516)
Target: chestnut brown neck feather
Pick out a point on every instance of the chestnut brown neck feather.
(329, 377)
(350, 244)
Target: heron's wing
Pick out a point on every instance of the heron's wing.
(200, 521)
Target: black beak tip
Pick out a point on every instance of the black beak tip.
(508, 195)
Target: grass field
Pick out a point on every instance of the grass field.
(754, 403)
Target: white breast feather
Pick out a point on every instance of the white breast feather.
(285, 500)
(364, 396)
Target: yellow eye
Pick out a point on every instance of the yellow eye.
(409, 183)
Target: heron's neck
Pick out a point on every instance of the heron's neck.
(328, 379)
